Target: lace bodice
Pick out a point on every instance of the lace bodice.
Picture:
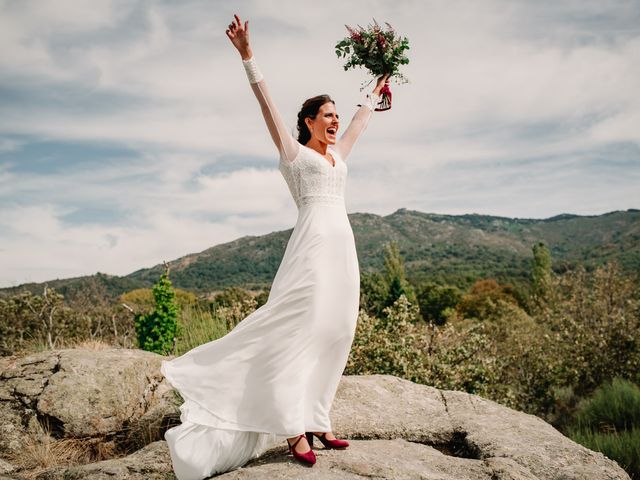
(311, 178)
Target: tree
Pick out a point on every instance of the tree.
(26, 317)
(436, 300)
(541, 273)
(394, 276)
(373, 292)
(141, 299)
(379, 290)
(230, 296)
(485, 298)
(157, 330)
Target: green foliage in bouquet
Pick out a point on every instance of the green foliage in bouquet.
(378, 50)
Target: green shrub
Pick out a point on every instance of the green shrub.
(609, 422)
(391, 344)
(444, 357)
(156, 331)
(592, 321)
(461, 359)
(614, 406)
(585, 331)
(583, 334)
(526, 360)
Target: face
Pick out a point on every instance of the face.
(325, 126)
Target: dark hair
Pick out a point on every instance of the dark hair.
(310, 109)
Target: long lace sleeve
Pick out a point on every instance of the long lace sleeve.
(288, 147)
(357, 126)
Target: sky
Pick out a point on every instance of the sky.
(129, 133)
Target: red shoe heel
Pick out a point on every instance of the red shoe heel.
(335, 443)
(308, 458)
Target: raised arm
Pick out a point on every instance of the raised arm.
(287, 146)
(360, 120)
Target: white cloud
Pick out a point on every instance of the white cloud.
(506, 106)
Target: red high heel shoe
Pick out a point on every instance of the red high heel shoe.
(306, 457)
(335, 443)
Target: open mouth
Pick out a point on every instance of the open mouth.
(332, 131)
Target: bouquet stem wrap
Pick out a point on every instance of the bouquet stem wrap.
(385, 100)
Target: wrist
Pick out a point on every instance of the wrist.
(371, 101)
(251, 67)
(246, 54)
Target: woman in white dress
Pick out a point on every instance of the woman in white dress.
(274, 376)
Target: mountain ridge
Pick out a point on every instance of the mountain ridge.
(448, 248)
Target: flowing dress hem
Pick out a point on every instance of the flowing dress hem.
(237, 426)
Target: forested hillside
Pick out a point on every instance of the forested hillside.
(454, 249)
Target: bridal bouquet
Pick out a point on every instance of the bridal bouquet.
(379, 51)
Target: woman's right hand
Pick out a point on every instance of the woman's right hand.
(239, 36)
(382, 81)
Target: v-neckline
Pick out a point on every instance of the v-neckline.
(325, 158)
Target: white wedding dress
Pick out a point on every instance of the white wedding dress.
(276, 373)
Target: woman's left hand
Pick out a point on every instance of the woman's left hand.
(382, 81)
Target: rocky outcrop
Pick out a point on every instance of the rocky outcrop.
(460, 431)
(108, 395)
(397, 429)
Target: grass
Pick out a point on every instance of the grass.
(623, 447)
(198, 326)
(41, 452)
(609, 422)
(94, 344)
(614, 406)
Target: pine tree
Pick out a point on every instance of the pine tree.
(156, 331)
(541, 273)
(394, 276)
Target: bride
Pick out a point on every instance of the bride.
(275, 375)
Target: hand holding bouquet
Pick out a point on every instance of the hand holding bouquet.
(379, 51)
